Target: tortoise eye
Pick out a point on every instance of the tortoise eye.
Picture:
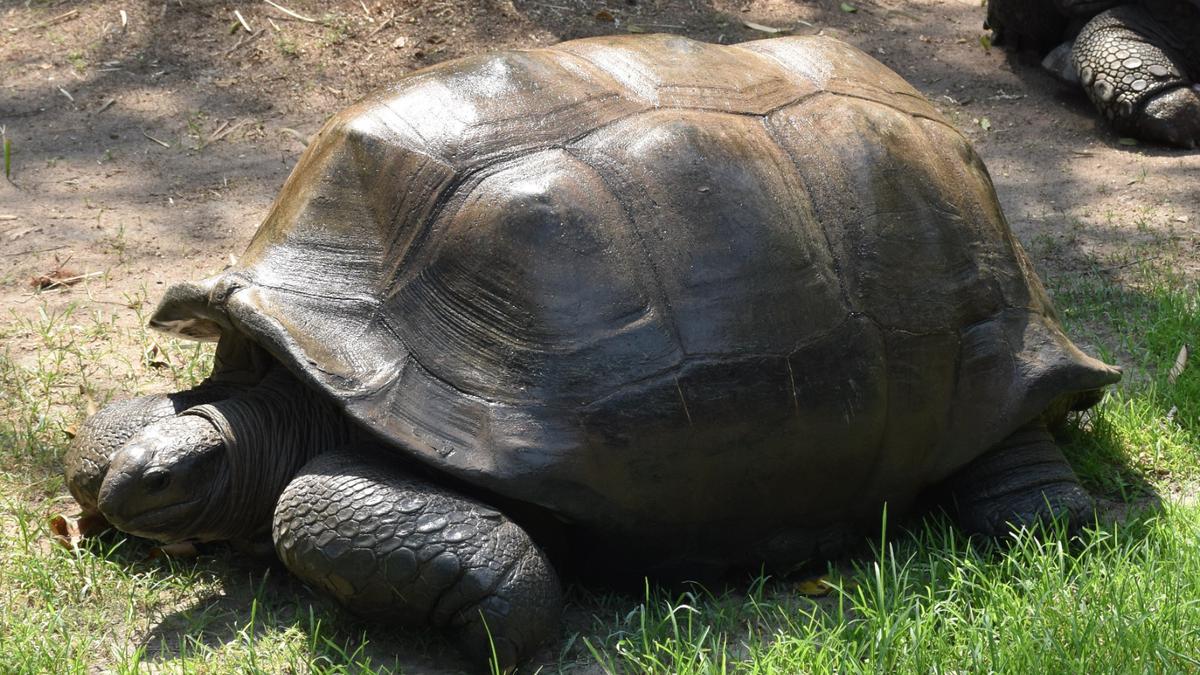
(156, 480)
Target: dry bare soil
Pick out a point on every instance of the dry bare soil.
(148, 138)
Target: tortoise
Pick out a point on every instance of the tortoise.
(656, 306)
(1137, 60)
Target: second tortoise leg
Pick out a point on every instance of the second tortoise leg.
(1141, 73)
(393, 546)
(1023, 481)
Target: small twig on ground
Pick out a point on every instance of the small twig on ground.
(242, 20)
(289, 12)
(47, 283)
(1131, 263)
(243, 40)
(222, 131)
(67, 94)
(33, 251)
(106, 106)
(218, 130)
(59, 276)
(162, 143)
(382, 25)
(904, 14)
(42, 24)
(547, 5)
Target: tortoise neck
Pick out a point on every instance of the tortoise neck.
(269, 433)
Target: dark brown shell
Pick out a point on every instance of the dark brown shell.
(697, 295)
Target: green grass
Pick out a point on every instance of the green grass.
(67, 611)
(1148, 429)
(7, 143)
(1122, 597)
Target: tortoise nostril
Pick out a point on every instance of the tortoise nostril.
(156, 480)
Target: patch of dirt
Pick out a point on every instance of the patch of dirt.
(149, 137)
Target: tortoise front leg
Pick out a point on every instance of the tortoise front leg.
(1022, 481)
(1137, 79)
(390, 545)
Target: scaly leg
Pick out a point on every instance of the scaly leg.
(1135, 69)
(1024, 480)
(391, 545)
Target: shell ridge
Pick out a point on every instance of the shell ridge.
(910, 113)
(719, 357)
(576, 139)
(255, 281)
(449, 201)
(416, 360)
(836, 264)
(519, 149)
(642, 82)
(443, 192)
(632, 93)
(799, 99)
(517, 153)
(659, 291)
(418, 242)
(774, 59)
(407, 125)
(835, 85)
(409, 240)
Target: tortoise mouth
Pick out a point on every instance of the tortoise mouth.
(163, 523)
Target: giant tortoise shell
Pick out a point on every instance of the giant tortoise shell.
(705, 299)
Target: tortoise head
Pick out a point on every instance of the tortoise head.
(215, 471)
(164, 483)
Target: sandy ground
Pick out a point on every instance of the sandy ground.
(148, 137)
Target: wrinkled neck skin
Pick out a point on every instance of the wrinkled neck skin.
(269, 433)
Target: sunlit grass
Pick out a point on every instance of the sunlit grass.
(110, 603)
(74, 362)
(1119, 599)
(1148, 428)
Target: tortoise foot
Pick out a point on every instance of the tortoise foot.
(1173, 117)
(389, 545)
(1023, 481)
